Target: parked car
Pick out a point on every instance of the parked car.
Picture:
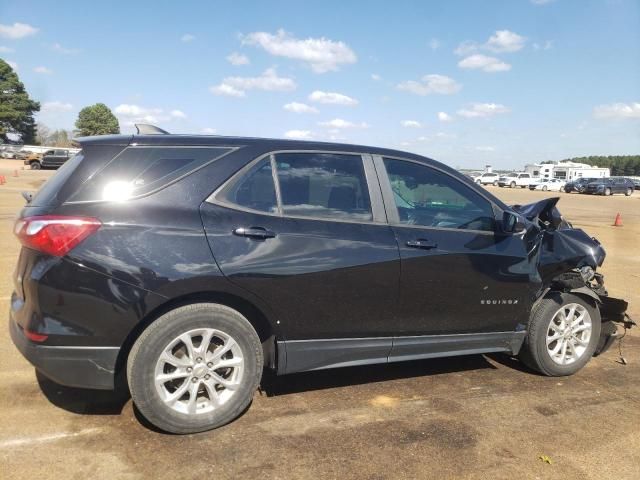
(578, 185)
(514, 180)
(186, 264)
(50, 159)
(10, 151)
(550, 184)
(636, 183)
(487, 178)
(610, 186)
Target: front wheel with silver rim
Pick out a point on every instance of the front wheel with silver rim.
(195, 368)
(562, 334)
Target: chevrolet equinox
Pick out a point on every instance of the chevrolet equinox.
(188, 264)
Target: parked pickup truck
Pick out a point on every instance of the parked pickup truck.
(49, 159)
(514, 180)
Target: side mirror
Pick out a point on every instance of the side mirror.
(513, 223)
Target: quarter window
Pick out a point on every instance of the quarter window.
(323, 185)
(425, 196)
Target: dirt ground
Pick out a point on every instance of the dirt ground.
(467, 417)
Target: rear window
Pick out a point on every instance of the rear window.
(48, 193)
(139, 171)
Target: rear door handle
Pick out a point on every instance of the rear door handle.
(254, 232)
(422, 243)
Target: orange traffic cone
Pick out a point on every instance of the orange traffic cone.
(15, 173)
(2, 180)
(618, 221)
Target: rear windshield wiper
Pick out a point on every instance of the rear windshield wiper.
(28, 196)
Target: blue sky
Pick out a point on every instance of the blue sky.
(466, 82)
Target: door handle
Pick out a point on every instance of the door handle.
(259, 233)
(422, 243)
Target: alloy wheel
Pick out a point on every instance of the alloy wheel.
(199, 370)
(568, 334)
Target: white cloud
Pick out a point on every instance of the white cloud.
(17, 30)
(375, 76)
(297, 107)
(339, 123)
(501, 41)
(434, 44)
(485, 149)
(268, 81)
(484, 63)
(209, 131)
(478, 110)
(505, 41)
(43, 70)
(131, 114)
(444, 117)
(429, 84)
(4, 49)
(332, 98)
(547, 45)
(299, 134)
(228, 90)
(541, 2)
(322, 54)
(411, 124)
(54, 107)
(13, 65)
(618, 110)
(56, 47)
(238, 59)
(466, 48)
(187, 37)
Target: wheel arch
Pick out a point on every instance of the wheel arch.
(265, 327)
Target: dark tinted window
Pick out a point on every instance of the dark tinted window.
(425, 196)
(254, 190)
(323, 185)
(47, 195)
(142, 170)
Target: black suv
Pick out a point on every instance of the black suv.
(611, 185)
(578, 185)
(187, 264)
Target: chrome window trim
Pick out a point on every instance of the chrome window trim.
(231, 149)
(387, 195)
(375, 198)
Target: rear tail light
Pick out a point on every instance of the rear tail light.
(35, 337)
(54, 234)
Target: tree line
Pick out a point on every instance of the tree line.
(17, 110)
(620, 165)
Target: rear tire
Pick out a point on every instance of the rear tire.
(628, 192)
(206, 388)
(546, 323)
(607, 192)
(35, 165)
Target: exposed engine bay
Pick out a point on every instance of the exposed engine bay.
(567, 259)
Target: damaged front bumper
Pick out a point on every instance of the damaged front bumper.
(613, 312)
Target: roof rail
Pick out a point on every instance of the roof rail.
(146, 129)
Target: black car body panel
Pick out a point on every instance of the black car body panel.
(321, 292)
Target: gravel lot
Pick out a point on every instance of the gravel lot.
(465, 417)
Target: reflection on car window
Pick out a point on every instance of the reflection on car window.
(255, 190)
(427, 197)
(323, 185)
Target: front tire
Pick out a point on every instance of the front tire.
(195, 368)
(562, 335)
(607, 192)
(35, 165)
(628, 192)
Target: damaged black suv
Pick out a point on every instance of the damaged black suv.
(187, 264)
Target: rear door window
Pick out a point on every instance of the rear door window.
(254, 190)
(325, 185)
(139, 171)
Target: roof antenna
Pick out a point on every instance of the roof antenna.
(146, 129)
